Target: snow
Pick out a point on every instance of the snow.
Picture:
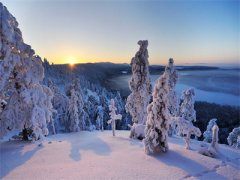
(99, 155)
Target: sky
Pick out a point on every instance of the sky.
(108, 31)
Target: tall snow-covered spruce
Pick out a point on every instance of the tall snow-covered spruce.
(113, 115)
(173, 102)
(21, 73)
(140, 85)
(156, 131)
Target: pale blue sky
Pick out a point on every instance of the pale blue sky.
(93, 31)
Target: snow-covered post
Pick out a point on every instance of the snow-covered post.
(208, 133)
(211, 151)
(113, 116)
(233, 138)
(156, 131)
(187, 107)
(140, 85)
(214, 142)
(173, 105)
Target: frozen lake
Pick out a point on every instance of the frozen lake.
(220, 86)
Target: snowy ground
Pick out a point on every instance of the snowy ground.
(98, 155)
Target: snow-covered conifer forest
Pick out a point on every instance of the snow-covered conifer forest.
(67, 122)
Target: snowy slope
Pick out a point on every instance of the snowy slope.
(98, 155)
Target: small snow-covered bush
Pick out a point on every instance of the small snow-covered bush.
(187, 110)
(113, 116)
(233, 138)
(137, 131)
(208, 133)
(186, 129)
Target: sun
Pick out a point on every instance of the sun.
(71, 61)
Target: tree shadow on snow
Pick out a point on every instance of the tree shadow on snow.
(173, 158)
(135, 142)
(13, 154)
(91, 143)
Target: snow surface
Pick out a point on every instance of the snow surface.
(99, 155)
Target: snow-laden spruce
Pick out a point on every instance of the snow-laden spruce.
(140, 85)
(186, 129)
(113, 116)
(21, 71)
(99, 121)
(234, 138)
(84, 122)
(73, 113)
(173, 102)
(187, 110)
(60, 103)
(156, 131)
(208, 133)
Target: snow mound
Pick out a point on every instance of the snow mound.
(99, 155)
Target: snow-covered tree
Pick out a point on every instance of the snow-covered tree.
(73, 113)
(187, 110)
(208, 133)
(21, 72)
(233, 138)
(186, 129)
(83, 122)
(113, 116)
(172, 74)
(156, 131)
(99, 121)
(60, 104)
(173, 105)
(140, 85)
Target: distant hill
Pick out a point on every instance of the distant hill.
(102, 71)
